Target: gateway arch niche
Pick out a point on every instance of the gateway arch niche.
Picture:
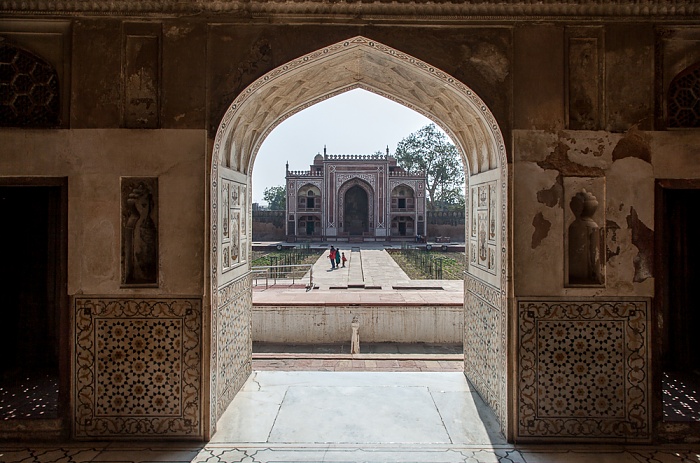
(299, 84)
(356, 211)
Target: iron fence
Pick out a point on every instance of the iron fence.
(430, 264)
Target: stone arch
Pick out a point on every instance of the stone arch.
(307, 188)
(308, 198)
(397, 76)
(372, 206)
(408, 189)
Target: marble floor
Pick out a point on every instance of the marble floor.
(32, 395)
(681, 392)
(303, 416)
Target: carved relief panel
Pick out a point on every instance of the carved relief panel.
(585, 82)
(482, 229)
(139, 231)
(141, 62)
(584, 221)
(233, 224)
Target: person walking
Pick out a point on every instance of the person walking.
(343, 259)
(337, 258)
(331, 256)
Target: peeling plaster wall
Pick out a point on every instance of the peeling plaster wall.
(94, 161)
(549, 167)
(629, 164)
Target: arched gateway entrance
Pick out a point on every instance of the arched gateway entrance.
(292, 87)
(356, 211)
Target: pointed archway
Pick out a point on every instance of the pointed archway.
(294, 86)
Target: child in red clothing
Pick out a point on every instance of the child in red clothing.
(343, 259)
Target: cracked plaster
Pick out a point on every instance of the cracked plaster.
(538, 193)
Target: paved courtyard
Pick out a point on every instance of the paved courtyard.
(370, 276)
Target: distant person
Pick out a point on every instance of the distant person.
(337, 259)
(344, 259)
(331, 256)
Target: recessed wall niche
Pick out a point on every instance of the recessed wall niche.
(584, 231)
(139, 230)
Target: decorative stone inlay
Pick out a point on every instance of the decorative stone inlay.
(484, 291)
(482, 235)
(302, 183)
(369, 178)
(344, 187)
(233, 349)
(138, 367)
(485, 343)
(413, 184)
(583, 369)
(138, 378)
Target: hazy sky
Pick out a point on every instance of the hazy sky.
(355, 122)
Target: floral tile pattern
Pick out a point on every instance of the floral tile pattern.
(583, 369)
(485, 344)
(138, 367)
(234, 344)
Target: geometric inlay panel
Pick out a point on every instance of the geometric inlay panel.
(583, 369)
(232, 346)
(138, 366)
(485, 343)
(138, 363)
(583, 364)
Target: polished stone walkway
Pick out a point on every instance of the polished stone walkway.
(370, 276)
(350, 417)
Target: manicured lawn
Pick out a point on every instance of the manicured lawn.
(416, 263)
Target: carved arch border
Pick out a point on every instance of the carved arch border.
(491, 156)
(342, 191)
(299, 185)
(411, 186)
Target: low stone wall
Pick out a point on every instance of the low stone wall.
(268, 226)
(378, 323)
(449, 224)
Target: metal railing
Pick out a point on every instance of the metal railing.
(274, 273)
(427, 262)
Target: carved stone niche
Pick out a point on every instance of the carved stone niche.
(584, 231)
(139, 230)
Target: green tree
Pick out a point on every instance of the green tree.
(276, 197)
(429, 150)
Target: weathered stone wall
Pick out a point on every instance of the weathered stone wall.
(94, 160)
(446, 224)
(379, 323)
(268, 225)
(565, 128)
(615, 155)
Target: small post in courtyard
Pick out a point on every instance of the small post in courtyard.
(355, 341)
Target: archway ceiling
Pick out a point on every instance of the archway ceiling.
(401, 80)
